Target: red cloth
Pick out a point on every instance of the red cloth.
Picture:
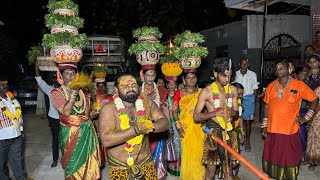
(282, 150)
(163, 93)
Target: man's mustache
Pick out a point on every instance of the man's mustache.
(131, 92)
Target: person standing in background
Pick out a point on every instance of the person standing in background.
(11, 141)
(248, 79)
(53, 115)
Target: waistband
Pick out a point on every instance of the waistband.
(72, 120)
(115, 162)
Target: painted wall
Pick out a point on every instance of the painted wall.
(244, 38)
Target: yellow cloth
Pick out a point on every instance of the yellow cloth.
(192, 143)
(220, 119)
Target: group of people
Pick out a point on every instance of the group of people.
(150, 130)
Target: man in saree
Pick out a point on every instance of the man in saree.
(220, 101)
(282, 153)
(191, 134)
(124, 126)
(77, 137)
(158, 94)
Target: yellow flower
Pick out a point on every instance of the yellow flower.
(129, 149)
(136, 140)
(124, 121)
(15, 126)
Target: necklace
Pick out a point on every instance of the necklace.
(80, 103)
(190, 89)
(281, 91)
(156, 99)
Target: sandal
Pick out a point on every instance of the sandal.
(312, 167)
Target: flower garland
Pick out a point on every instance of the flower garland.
(125, 123)
(16, 114)
(216, 104)
(155, 89)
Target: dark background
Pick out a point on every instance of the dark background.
(24, 22)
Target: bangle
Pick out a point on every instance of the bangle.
(309, 114)
(135, 128)
(73, 98)
(264, 123)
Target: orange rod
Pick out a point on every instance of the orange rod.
(240, 158)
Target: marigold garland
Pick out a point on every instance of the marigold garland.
(7, 112)
(125, 120)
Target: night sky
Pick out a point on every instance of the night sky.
(24, 21)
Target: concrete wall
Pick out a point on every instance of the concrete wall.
(233, 35)
(298, 26)
(244, 38)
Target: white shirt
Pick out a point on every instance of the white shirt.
(9, 132)
(53, 112)
(248, 81)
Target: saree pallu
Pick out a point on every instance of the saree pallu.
(174, 166)
(313, 148)
(192, 143)
(79, 144)
(282, 155)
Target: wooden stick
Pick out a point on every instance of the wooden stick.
(238, 156)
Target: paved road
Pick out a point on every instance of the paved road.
(38, 153)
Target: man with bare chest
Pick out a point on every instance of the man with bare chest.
(220, 101)
(124, 126)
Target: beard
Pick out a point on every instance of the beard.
(130, 96)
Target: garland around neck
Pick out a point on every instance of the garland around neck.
(155, 89)
(125, 123)
(216, 104)
(14, 111)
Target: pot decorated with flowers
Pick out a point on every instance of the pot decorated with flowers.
(64, 42)
(100, 72)
(45, 63)
(189, 53)
(170, 65)
(148, 48)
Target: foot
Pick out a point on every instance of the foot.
(304, 162)
(54, 164)
(312, 167)
(247, 147)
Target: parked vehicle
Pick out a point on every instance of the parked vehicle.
(27, 92)
(107, 50)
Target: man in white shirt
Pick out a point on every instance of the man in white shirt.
(249, 81)
(11, 142)
(53, 116)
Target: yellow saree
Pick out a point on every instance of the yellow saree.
(192, 143)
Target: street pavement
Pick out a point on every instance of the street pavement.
(38, 155)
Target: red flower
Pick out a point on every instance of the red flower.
(141, 113)
(128, 145)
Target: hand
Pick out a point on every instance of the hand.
(144, 127)
(264, 132)
(181, 132)
(222, 113)
(94, 114)
(242, 136)
(20, 120)
(36, 64)
(301, 120)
